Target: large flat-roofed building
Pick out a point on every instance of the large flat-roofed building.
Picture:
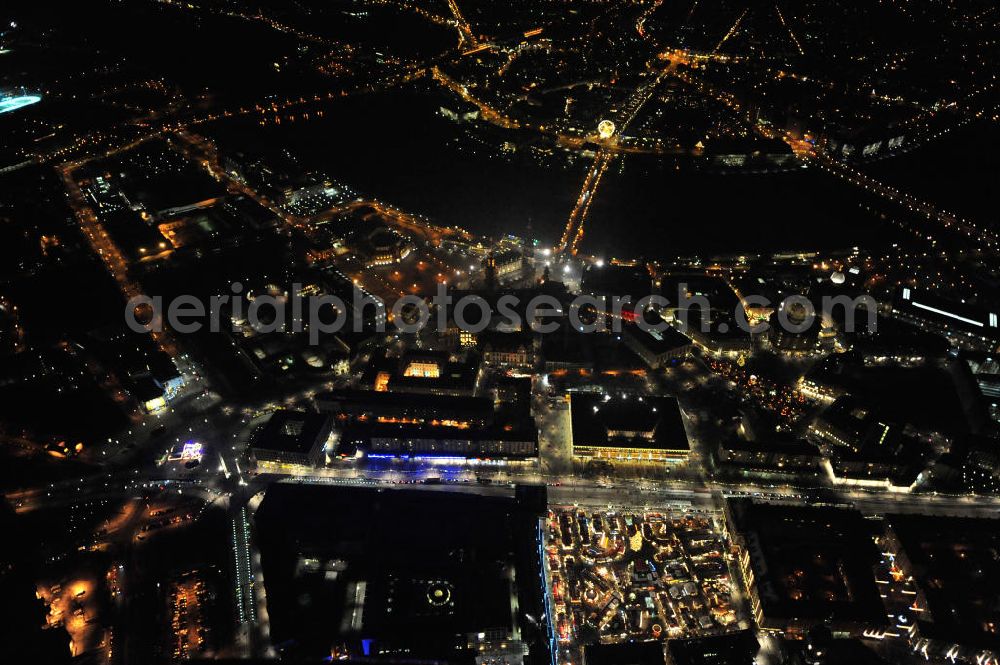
(384, 424)
(444, 442)
(630, 428)
(630, 653)
(407, 408)
(768, 458)
(866, 450)
(427, 372)
(291, 439)
(980, 465)
(954, 563)
(400, 577)
(655, 347)
(738, 648)
(806, 566)
(703, 309)
(939, 395)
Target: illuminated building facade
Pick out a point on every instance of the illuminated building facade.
(424, 372)
(291, 440)
(507, 350)
(657, 348)
(425, 369)
(383, 247)
(384, 424)
(863, 449)
(508, 264)
(406, 409)
(449, 442)
(638, 428)
(768, 458)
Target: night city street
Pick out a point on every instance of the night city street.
(458, 332)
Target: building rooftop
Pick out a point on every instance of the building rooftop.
(423, 372)
(656, 341)
(628, 422)
(347, 400)
(426, 438)
(955, 563)
(629, 653)
(385, 572)
(871, 447)
(719, 295)
(732, 649)
(775, 446)
(955, 315)
(291, 431)
(939, 396)
(809, 565)
(507, 342)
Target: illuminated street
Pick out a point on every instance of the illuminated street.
(539, 333)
